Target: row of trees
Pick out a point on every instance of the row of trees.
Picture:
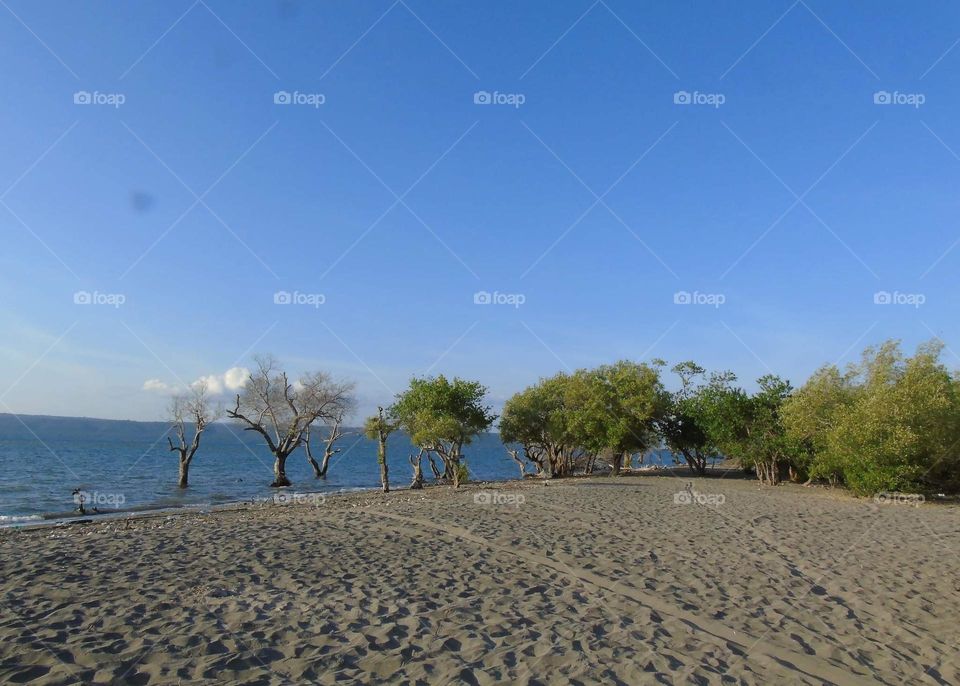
(284, 412)
(439, 415)
(888, 422)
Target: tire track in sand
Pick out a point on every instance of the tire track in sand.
(737, 642)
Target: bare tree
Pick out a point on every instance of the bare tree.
(334, 433)
(193, 407)
(282, 411)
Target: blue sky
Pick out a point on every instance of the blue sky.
(597, 199)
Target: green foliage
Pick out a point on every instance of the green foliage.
(538, 418)
(765, 441)
(436, 411)
(695, 418)
(378, 425)
(711, 416)
(463, 472)
(890, 423)
(442, 416)
(614, 407)
(537, 415)
(811, 415)
(573, 417)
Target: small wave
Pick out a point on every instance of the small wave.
(7, 519)
(355, 489)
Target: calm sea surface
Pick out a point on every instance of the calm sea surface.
(38, 478)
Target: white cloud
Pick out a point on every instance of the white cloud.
(157, 386)
(235, 377)
(212, 382)
(231, 380)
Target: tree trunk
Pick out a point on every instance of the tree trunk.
(320, 469)
(382, 459)
(280, 472)
(325, 465)
(318, 473)
(417, 483)
(516, 458)
(454, 468)
(184, 472)
(437, 474)
(696, 462)
(617, 463)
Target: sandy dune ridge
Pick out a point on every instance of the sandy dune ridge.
(580, 581)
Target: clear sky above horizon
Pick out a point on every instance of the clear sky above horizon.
(787, 167)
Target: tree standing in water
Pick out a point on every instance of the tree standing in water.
(282, 411)
(334, 433)
(192, 407)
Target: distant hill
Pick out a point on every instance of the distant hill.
(32, 426)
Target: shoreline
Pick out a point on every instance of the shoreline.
(681, 473)
(47, 520)
(62, 518)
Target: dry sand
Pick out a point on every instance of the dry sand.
(585, 581)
